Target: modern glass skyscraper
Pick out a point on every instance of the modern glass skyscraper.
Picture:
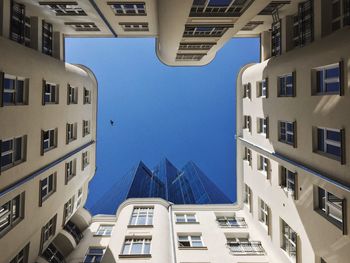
(186, 186)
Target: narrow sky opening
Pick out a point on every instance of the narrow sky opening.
(181, 113)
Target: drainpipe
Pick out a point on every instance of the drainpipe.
(172, 238)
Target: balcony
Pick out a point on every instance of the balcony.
(52, 255)
(72, 229)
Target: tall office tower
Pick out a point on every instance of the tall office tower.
(293, 133)
(186, 186)
(47, 134)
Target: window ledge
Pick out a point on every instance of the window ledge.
(140, 226)
(288, 143)
(192, 248)
(135, 256)
(98, 235)
(187, 223)
(329, 156)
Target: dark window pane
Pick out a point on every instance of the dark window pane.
(333, 87)
(333, 73)
(320, 139)
(6, 160)
(333, 135)
(334, 150)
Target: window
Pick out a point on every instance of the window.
(331, 142)
(134, 27)
(288, 181)
(52, 255)
(83, 26)
(331, 207)
(72, 95)
(137, 246)
(85, 159)
(289, 241)
(19, 24)
(87, 96)
(13, 90)
(340, 14)
(104, 230)
(226, 8)
(248, 155)
(11, 213)
(48, 232)
(70, 170)
(47, 187)
(264, 213)
(86, 128)
(48, 140)
(248, 197)
(72, 229)
(329, 79)
(262, 88)
(196, 46)
(68, 210)
(190, 57)
(286, 85)
(65, 9)
(47, 31)
(287, 132)
(13, 152)
(22, 256)
(263, 124)
(50, 93)
(231, 222)
(71, 132)
(247, 91)
(243, 246)
(303, 31)
(252, 25)
(80, 196)
(128, 9)
(142, 216)
(205, 30)
(247, 123)
(190, 241)
(186, 218)
(263, 165)
(94, 255)
(276, 40)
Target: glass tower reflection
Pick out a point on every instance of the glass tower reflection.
(186, 186)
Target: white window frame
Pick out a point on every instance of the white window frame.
(327, 142)
(190, 239)
(329, 207)
(13, 152)
(104, 230)
(71, 132)
(247, 196)
(244, 246)
(48, 191)
(72, 95)
(14, 91)
(140, 212)
(186, 217)
(136, 240)
(247, 122)
(70, 170)
(262, 126)
(94, 254)
(68, 209)
(86, 127)
(262, 88)
(248, 155)
(85, 157)
(264, 213)
(52, 99)
(285, 85)
(285, 124)
(247, 90)
(135, 27)
(50, 132)
(289, 178)
(87, 96)
(322, 89)
(8, 216)
(287, 241)
(224, 221)
(122, 8)
(48, 232)
(80, 196)
(263, 165)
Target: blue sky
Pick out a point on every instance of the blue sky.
(182, 113)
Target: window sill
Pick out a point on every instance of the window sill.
(187, 223)
(98, 235)
(9, 166)
(327, 155)
(331, 220)
(192, 248)
(135, 256)
(288, 143)
(140, 226)
(48, 149)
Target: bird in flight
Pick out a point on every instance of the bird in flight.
(112, 123)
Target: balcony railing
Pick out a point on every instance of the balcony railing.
(246, 248)
(52, 255)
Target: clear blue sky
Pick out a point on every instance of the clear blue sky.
(182, 113)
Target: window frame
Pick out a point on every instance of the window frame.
(14, 91)
(263, 126)
(22, 255)
(139, 212)
(131, 241)
(48, 232)
(86, 127)
(247, 90)
(70, 170)
(215, 30)
(321, 86)
(247, 123)
(47, 38)
(72, 94)
(9, 214)
(224, 221)
(248, 197)
(51, 133)
(51, 86)
(71, 132)
(276, 38)
(343, 15)
(327, 142)
(242, 243)
(13, 152)
(43, 198)
(283, 85)
(287, 132)
(68, 209)
(190, 241)
(186, 218)
(248, 155)
(264, 165)
(122, 10)
(62, 9)
(134, 27)
(104, 230)
(88, 253)
(87, 96)
(264, 214)
(288, 178)
(287, 241)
